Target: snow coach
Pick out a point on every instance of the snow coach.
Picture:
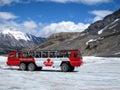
(31, 60)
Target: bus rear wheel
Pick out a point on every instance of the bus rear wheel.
(23, 66)
(31, 67)
(64, 67)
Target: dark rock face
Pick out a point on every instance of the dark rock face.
(35, 40)
(95, 27)
(98, 25)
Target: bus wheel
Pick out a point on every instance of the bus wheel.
(23, 66)
(31, 67)
(65, 67)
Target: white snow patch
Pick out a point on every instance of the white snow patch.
(113, 26)
(16, 34)
(117, 19)
(91, 40)
(100, 32)
(117, 53)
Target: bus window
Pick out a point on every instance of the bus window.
(66, 54)
(69, 54)
(44, 54)
(12, 56)
(52, 54)
(38, 55)
(31, 54)
(25, 54)
(59, 54)
(18, 55)
(76, 55)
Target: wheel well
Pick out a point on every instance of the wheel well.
(65, 62)
(27, 62)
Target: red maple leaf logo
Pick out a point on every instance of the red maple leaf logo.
(48, 62)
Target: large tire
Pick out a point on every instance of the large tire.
(31, 67)
(64, 67)
(23, 66)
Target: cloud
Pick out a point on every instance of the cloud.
(24, 26)
(30, 24)
(100, 14)
(7, 16)
(39, 29)
(43, 30)
(7, 2)
(87, 2)
(93, 2)
(63, 26)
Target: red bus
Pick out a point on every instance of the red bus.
(31, 60)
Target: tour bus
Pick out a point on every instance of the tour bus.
(67, 60)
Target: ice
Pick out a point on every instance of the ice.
(100, 32)
(97, 73)
(91, 40)
(94, 40)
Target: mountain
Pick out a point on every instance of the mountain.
(98, 25)
(12, 39)
(101, 38)
(34, 39)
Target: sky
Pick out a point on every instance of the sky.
(45, 17)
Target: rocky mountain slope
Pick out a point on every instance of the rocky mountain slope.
(12, 39)
(102, 38)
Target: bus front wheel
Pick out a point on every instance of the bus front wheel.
(64, 67)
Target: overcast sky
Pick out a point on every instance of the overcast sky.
(45, 17)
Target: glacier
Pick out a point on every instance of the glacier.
(97, 73)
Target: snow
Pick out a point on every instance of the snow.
(117, 19)
(111, 25)
(16, 34)
(91, 40)
(97, 73)
(100, 32)
(117, 53)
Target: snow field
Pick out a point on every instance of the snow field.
(97, 73)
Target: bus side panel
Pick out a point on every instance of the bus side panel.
(76, 63)
(56, 61)
(27, 60)
(13, 62)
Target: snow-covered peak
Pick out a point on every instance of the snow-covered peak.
(16, 34)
